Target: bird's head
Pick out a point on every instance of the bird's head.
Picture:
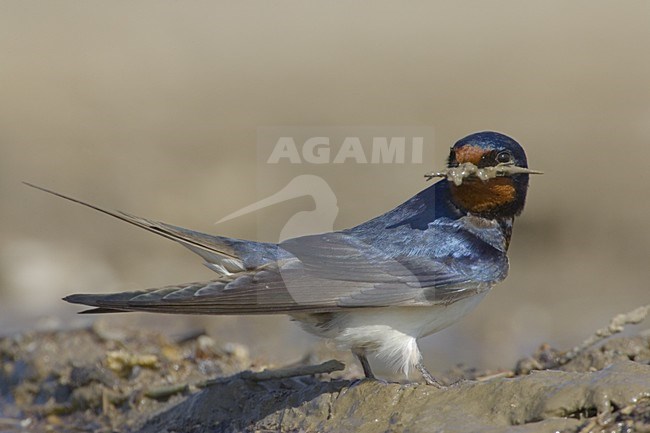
(488, 175)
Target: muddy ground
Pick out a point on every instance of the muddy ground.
(108, 380)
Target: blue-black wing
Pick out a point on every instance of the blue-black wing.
(370, 266)
(330, 272)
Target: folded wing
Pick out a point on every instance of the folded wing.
(318, 273)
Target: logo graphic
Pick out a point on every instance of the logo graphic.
(319, 220)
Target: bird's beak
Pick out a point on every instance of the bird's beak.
(467, 169)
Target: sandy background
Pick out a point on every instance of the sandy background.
(155, 107)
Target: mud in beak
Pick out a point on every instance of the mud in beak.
(467, 169)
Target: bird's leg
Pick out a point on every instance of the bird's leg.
(428, 377)
(367, 371)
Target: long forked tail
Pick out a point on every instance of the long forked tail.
(216, 250)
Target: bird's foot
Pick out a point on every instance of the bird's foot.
(428, 377)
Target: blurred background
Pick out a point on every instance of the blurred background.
(155, 108)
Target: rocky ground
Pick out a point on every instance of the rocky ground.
(107, 380)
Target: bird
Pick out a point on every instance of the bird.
(375, 288)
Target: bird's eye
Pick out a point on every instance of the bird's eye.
(504, 157)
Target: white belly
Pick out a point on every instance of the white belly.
(391, 333)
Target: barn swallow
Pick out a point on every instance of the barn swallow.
(375, 288)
